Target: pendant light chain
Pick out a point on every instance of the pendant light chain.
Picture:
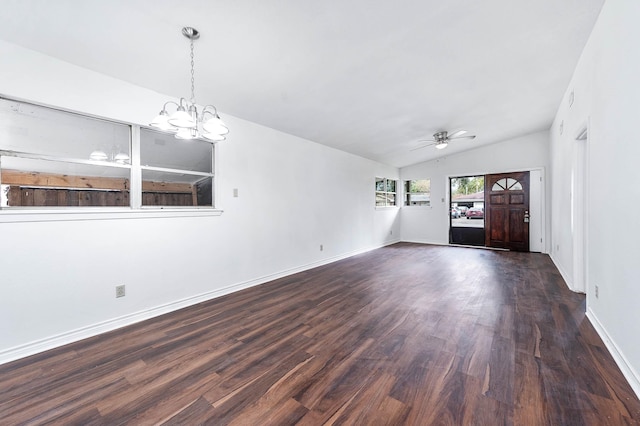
(193, 90)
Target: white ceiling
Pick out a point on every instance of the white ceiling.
(369, 77)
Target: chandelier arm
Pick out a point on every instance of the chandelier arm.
(164, 107)
(214, 112)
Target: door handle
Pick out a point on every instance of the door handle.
(526, 216)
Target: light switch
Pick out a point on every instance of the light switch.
(235, 192)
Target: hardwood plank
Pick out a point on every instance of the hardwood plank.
(407, 334)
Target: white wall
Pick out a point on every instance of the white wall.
(431, 224)
(58, 278)
(606, 92)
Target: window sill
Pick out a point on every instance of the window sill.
(65, 214)
(387, 207)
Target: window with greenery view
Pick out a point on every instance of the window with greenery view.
(385, 192)
(417, 192)
(467, 185)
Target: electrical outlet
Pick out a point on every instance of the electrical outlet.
(321, 247)
(390, 232)
(597, 292)
(120, 291)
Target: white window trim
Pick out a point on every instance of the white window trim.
(404, 195)
(101, 213)
(395, 206)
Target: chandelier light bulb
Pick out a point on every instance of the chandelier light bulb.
(121, 158)
(98, 156)
(213, 137)
(186, 133)
(215, 125)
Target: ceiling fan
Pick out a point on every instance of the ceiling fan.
(441, 139)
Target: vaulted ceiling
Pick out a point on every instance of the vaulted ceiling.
(369, 77)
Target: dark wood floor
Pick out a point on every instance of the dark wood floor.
(406, 335)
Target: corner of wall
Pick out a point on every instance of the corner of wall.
(563, 273)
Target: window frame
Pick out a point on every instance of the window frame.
(407, 194)
(135, 209)
(385, 194)
(170, 170)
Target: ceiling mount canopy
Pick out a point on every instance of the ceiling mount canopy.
(187, 122)
(441, 139)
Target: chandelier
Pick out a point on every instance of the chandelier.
(187, 122)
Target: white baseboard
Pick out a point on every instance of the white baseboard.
(627, 370)
(419, 241)
(62, 339)
(433, 243)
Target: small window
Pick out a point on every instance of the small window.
(507, 184)
(417, 192)
(385, 192)
(175, 172)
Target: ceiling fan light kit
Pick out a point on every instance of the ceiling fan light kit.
(441, 139)
(187, 122)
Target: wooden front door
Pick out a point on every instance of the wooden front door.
(507, 211)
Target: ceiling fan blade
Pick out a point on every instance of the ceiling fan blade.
(464, 137)
(456, 134)
(423, 146)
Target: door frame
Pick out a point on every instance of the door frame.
(543, 213)
(579, 209)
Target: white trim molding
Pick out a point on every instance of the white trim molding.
(72, 336)
(628, 372)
